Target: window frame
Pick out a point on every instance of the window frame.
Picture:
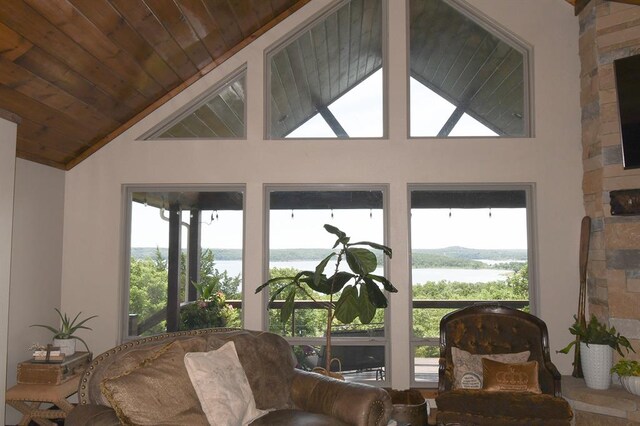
(532, 257)
(354, 341)
(127, 197)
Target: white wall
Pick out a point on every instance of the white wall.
(92, 258)
(36, 261)
(7, 177)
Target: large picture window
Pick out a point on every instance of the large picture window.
(298, 241)
(184, 268)
(468, 245)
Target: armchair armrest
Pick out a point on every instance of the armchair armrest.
(354, 403)
(92, 414)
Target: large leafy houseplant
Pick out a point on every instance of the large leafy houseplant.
(597, 333)
(68, 327)
(359, 288)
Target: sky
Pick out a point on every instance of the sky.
(430, 228)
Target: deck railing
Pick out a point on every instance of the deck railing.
(137, 328)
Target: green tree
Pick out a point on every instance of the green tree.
(148, 288)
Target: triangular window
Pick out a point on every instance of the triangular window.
(469, 78)
(218, 114)
(327, 81)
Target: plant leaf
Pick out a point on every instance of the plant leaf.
(361, 261)
(287, 308)
(273, 281)
(341, 279)
(335, 231)
(366, 309)
(376, 296)
(51, 329)
(385, 283)
(386, 250)
(320, 268)
(347, 306)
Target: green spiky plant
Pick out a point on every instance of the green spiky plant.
(68, 327)
(360, 295)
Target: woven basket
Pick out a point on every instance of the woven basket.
(335, 375)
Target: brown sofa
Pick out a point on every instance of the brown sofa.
(294, 397)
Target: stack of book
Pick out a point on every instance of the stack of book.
(51, 354)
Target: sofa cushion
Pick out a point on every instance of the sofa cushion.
(222, 386)
(268, 362)
(114, 366)
(516, 377)
(156, 392)
(467, 367)
(515, 405)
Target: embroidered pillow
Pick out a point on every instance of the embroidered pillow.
(156, 392)
(467, 367)
(518, 377)
(222, 386)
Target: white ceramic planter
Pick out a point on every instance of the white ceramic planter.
(596, 365)
(67, 346)
(631, 384)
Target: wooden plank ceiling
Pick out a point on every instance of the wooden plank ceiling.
(77, 73)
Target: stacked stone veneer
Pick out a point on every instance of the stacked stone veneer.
(608, 31)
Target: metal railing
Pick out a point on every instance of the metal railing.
(138, 328)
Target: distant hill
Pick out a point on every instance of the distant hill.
(448, 257)
(485, 254)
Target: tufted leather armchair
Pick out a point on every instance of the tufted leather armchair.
(495, 329)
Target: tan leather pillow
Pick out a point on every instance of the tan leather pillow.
(503, 377)
(156, 392)
(467, 367)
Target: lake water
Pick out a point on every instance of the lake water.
(419, 276)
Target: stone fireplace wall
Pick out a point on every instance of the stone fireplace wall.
(608, 31)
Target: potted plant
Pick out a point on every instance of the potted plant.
(209, 310)
(360, 293)
(629, 374)
(597, 343)
(64, 336)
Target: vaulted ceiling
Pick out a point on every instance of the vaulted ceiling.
(77, 73)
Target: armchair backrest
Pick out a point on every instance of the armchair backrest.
(496, 329)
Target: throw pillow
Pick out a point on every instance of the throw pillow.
(222, 386)
(156, 392)
(517, 377)
(467, 367)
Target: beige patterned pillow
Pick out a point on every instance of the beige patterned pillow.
(467, 367)
(156, 392)
(222, 386)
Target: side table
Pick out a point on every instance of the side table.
(28, 398)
